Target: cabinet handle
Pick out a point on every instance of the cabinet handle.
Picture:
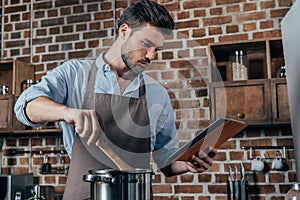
(241, 115)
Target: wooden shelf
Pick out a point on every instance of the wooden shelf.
(244, 83)
(41, 132)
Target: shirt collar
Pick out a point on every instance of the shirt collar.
(104, 67)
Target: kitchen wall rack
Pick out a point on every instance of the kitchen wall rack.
(259, 99)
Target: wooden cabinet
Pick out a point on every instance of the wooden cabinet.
(244, 82)
(280, 101)
(12, 73)
(242, 100)
(6, 115)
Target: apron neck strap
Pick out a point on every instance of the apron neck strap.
(92, 78)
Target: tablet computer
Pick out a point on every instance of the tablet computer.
(213, 136)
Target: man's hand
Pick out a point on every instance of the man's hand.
(292, 194)
(86, 124)
(199, 163)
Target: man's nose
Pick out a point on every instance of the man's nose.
(151, 53)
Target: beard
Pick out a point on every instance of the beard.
(136, 69)
(136, 66)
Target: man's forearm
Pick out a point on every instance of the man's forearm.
(43, 109)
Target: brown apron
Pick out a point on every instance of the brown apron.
(126, 125)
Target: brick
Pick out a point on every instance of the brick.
(66, 38)
(79, 19)
(12, 44)
(200, 113)
(216, 11)
(79, 54)
(251, 16)
(167, 75)
(55, 56)
(172, 6)
(52, 22)
(201, 42)
(167, 55)
(106, 6)
(65, 11)
(188, 189)
(162, 188)
(249, 26)
(267, 34)
(199, 13)
(199, 33)
(276, 178)
(15, 18)
(267, 4)
(66, 3)
(22, 26)
(204, 178)
(187, 178)
(183, 15)
(232, 29)
(95, 34)
(250, 6)
(15, 9)
(232, 9)
(286, 3)
(67, 29)
(43, 5)
(228, 145)
(39, 14)
(217, 20)
(217, 189)
(103, 15)
(108, 24)
(54, 30)
(187, 24)
(52, 13)
(197, 4)
(78, 9)
(215, 30)
(239, 37)
(221, 178)
(222, 2)
(156, 197)
(278, 13)
(26, 16)
(236, 155)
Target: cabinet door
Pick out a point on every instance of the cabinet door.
(6, 105)
(242, 100)
(280, 103)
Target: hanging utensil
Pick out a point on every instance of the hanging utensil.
(236, 184)
(230, 184)
(243, 183)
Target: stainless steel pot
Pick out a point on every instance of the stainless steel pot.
(112, 184)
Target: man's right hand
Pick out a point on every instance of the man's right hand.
(43, 109)
(86, 124)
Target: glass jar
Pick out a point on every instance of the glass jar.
(281, 72)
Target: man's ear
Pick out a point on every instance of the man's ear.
(124, 31)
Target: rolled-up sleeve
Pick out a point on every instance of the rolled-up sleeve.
(53, 86)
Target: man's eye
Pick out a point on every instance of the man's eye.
(146, 44)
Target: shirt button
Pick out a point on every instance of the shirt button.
(107, 67)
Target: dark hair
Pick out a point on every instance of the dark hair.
(146, 11)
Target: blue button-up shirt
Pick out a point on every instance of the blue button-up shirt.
(66, 84)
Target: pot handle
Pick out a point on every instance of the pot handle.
(104, 179)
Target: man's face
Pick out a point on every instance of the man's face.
(141, 47)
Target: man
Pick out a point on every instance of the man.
(112, 98)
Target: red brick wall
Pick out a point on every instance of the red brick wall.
(71, 29)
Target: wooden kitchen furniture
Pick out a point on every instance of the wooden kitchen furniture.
(262, 97)
(12, 73)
